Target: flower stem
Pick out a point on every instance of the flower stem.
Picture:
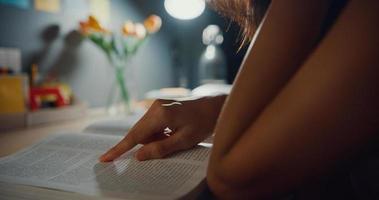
(121, 82)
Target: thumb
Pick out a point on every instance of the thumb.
(161, 148)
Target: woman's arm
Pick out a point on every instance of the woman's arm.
(327, 111)
(285, 38)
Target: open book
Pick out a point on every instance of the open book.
(69, 162)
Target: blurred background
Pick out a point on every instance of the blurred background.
(170, 58)
(62, 58)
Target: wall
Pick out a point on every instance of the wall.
(50, 41)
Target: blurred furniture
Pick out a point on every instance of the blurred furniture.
(11, 121)
(13, 90)
(36, 93)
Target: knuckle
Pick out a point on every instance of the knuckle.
(158, 103)
(164, 113)
(154, 109)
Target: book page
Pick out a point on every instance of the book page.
(69, 162)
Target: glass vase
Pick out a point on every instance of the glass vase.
(119, 99)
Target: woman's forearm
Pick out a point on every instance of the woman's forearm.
(283, 41)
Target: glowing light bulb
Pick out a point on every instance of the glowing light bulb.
(185, 9)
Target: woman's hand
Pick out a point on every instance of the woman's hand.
(170, 126)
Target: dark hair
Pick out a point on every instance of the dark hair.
(248, 14)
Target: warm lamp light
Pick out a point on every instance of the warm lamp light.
(185, 9)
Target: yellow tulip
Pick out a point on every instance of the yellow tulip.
(94, 23)
(153, 23)
(91, 25)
